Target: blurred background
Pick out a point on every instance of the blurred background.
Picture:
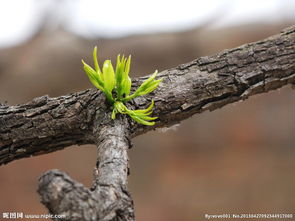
(240, 159)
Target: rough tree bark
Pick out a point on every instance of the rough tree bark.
(49, 124)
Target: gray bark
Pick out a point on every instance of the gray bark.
(207, 83)
(108, 199)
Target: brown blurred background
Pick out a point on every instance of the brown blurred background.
(239, 159)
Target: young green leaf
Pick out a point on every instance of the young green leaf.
(93, 76)
(146, 118)
(127, 81)
(146, 110)
(151, 87)
(108, 76)
(126, 84)
(119, 70)
(107, 80)
(95, 61)
(146, 87)
(127, 67)
(141, 121)
(119, 76)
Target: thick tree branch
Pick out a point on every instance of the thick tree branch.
(46, 124)
(209, 83)
(49, 124)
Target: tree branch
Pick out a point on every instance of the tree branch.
(49, 124)
(108, 199)
(209, 83)
(46, 124)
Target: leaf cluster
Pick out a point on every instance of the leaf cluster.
(116, 85)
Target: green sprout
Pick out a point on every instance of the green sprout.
(109, 81)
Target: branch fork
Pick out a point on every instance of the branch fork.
(108, 198)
